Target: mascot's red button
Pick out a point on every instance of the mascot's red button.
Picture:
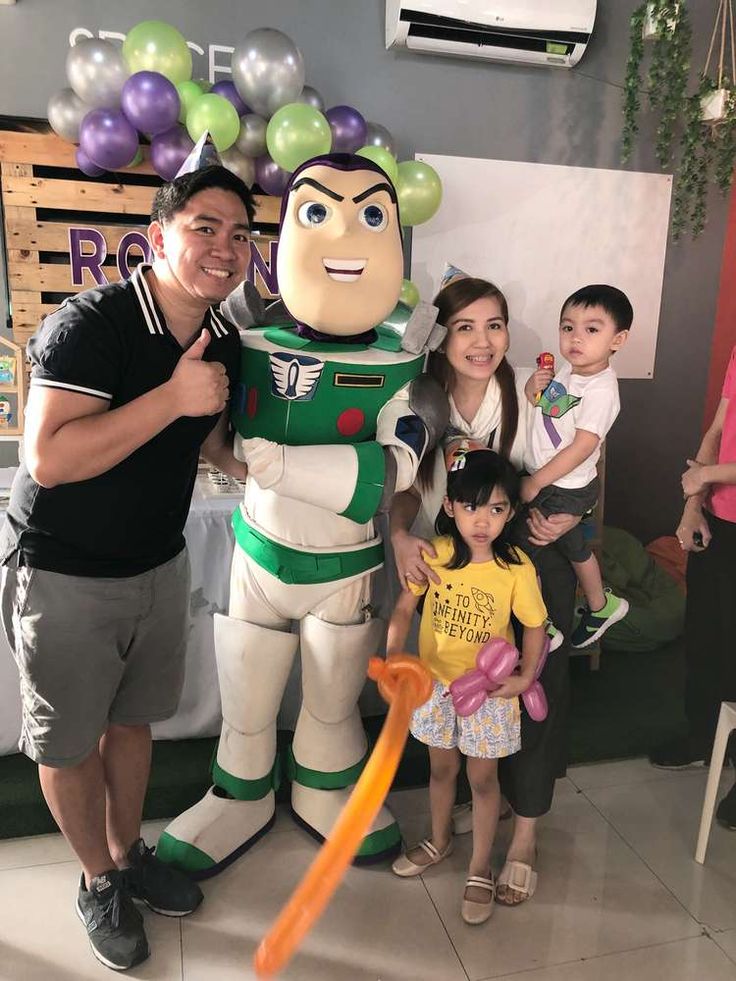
(350, 422)
(252, 403)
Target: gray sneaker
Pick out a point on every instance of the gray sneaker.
(162, 888)
(114, 925)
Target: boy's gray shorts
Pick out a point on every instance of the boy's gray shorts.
(563, 500)
(94, 651)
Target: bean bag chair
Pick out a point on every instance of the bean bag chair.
(656, 604)
(667, 553)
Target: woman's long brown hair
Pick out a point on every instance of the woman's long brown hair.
(450, 301)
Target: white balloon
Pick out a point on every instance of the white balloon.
(378, 135)
(251, 140)
(97, 72)
(244, 167)
(65, 112)
(268, 70)
(311, 97)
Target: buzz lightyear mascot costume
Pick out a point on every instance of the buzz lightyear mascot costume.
(333, 418)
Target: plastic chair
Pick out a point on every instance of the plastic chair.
(726, 724)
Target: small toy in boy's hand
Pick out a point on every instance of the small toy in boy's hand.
(545, 360)
(698, 539)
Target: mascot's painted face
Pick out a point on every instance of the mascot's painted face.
(340, 261)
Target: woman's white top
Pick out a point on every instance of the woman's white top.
(486, 422)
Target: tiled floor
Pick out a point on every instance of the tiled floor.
(619, 897)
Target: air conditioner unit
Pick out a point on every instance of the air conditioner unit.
(530, 32)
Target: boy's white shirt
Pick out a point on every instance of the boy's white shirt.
(595, 412)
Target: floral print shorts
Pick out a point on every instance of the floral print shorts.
(490, 733)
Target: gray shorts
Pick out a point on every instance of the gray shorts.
(562, 500)
(94, 651)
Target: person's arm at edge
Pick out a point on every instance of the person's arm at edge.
(693, 520)
(400, 623)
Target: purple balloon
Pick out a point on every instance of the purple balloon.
(108, 138)
(150, 102)
(228, 91)
(270, 177)
(349, 129)
(169, 150)
(86, 165)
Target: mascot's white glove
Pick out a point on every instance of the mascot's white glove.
(264, 459)
(325, 476)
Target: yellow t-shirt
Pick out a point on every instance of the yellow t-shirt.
(471, 605)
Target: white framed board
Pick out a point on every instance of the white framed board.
(541, 231)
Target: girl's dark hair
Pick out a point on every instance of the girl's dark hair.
(484, 471)
(450, 301)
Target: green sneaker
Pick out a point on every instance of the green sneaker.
(593, 624)
(556, 637)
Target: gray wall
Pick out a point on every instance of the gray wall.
(443, 105)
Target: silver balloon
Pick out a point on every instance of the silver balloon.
(268, 70)
(66, 111)
(378, 135)
(244, 167)
(251, 140)
(97, 72)
(311, 97)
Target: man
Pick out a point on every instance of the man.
(128, 382)
(332, 417)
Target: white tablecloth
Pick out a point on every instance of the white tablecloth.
(210, 542)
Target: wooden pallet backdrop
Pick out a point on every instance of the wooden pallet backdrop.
(44, 195)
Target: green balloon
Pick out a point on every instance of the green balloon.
(214, 114)
(385, 160)
(295, 133)
(154, 46)
(409, 293)
(203, 84)
(189, 92)
(137, 159)
(419, 190)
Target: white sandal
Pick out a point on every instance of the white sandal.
(404, 866)
(472, 911)
(521, 878)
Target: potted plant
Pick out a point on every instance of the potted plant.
(707, 117)
(709, 136)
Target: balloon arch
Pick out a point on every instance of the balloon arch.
(264, 122)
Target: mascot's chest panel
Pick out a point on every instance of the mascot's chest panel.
(305, 392)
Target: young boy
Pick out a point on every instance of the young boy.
(573, 411)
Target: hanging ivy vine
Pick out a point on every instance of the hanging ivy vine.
(707, 149)
(632, 82)
(668, 73)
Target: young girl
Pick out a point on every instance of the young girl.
(482, 581)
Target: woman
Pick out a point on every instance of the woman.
(707, 531)
(486, 405)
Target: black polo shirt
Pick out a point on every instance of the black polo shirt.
(113, 343)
